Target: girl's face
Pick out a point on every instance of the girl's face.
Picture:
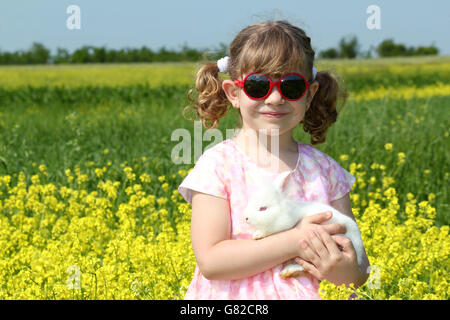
(253, 112)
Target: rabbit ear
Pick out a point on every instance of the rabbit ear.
(280, 181)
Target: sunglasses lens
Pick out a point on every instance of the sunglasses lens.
(292, 86)
(256, 85)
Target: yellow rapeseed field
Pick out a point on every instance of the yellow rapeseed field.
(182, 73)
(65, 243)
(115, 75)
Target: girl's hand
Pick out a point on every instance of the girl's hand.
(312, 222)
(324, 260)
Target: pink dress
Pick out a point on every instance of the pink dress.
(225, 171)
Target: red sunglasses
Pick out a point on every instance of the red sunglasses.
(257, 86)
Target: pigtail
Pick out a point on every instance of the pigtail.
(323, 112)
(211, 104)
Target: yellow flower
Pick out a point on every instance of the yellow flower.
(182, 173)
(105, 151)
(352, 168)
(388, 146)
(431, 197)
(165, 187)
(145, 178)
(129, 173)
(35, 179)
(401, 158)
(374, 166)
(388, 181)
(343, 157)
(82, 178)
(100, 171)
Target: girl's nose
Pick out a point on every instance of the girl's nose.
(275, 97)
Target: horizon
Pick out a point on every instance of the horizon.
(172, 24)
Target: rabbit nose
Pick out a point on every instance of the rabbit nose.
(246, 218)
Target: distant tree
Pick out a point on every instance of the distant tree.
(423, 51)
(387, 48)
(62, 56)
(190, 54)
(330, 53)
(135, 55)
(83, 55)
(167, 55)
(99, 55)
(349, 47)
(37, 53)
(146, 55)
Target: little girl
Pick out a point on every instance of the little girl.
(230, 264)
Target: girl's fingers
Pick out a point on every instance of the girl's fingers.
(334, 228)
(346, 244)
(310, 268)
(317, 244)
(307, 253)
(330, 244)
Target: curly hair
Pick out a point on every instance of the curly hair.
(253, 49)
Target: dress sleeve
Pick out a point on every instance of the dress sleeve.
(341, 181)
(207, 176)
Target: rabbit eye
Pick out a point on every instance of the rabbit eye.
(262, 208)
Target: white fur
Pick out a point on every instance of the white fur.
(283, 213)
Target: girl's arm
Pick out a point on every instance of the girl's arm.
(220, 258)
(344, 205)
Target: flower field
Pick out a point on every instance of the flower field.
(89, 207)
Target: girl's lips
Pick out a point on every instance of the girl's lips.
(273, 115)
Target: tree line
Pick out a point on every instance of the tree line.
(39, 54)
(348, 47)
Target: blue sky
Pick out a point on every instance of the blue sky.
(206, 23)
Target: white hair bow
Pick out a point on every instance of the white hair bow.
(223, 64)
(314, 72)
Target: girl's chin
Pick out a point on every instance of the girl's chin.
(268, 130)
(272, 131)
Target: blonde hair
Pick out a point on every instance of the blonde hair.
(273, 48)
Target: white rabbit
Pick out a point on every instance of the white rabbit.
(270, 211)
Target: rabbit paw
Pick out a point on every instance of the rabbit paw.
(291, 270)
(259, 234)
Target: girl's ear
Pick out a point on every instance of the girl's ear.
(232, 92)
(312, 91)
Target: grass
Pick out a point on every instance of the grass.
(66, 126)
